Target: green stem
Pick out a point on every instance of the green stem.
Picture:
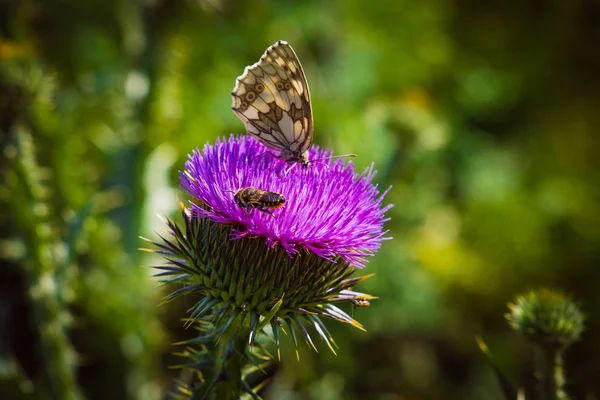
(559, 377)
(234, 362)
(549, 373)
(229, 361)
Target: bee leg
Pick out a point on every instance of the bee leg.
(266, 210)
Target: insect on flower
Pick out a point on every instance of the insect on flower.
(361, 303)
(272, 99)
(251, 197)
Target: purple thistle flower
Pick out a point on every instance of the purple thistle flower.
(330, 210)
(244, 289)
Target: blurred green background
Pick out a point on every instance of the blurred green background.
(483, 116)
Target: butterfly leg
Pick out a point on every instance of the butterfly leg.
(267, 152)
(290, 168)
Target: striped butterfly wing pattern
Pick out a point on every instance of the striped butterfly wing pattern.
(272, 99)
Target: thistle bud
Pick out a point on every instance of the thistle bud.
(551, 321)
(546, 317)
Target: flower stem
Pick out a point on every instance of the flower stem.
(549, 373)
(229, 361)
(234, 358)
(559, 377)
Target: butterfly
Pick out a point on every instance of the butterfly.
(272, 99)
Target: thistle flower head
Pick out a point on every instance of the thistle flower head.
(330, 210)
(260, 273)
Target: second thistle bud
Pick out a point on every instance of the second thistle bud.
(546, 317)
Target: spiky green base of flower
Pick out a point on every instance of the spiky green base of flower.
(245, 289)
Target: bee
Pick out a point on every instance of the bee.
(361, 303)
(251, 197)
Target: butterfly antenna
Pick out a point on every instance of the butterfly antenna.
(320, 162)
(341, 156)
(331, 158)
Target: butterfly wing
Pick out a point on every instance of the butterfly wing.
(272, 99)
